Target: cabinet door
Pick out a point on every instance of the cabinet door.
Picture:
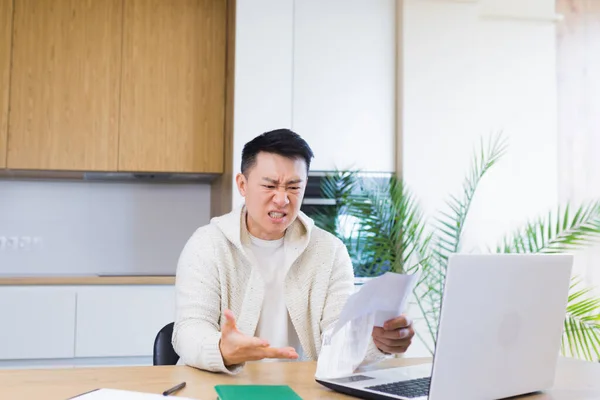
(173, 88)
(65, 85)
(37, 322)
(344, 82)
(121, 321)
(5, 39)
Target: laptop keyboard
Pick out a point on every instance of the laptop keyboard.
(412, 388)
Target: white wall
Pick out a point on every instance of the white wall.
(471, 68)
(324, 68)
(466, 76)
(98, 227)
(533, 10)
(579, 115)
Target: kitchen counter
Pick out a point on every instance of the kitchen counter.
(86, 280)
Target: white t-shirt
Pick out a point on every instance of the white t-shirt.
(274, 324)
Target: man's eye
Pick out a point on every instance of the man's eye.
(294, 188)
(269, 186)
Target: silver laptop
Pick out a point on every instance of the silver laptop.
(499, 335)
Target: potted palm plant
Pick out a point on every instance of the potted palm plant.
(389, 233)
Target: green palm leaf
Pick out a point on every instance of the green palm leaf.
(337, 186)
(581, 336)
(556, 233)
(447, 239)
(428, 296)
(391, 235)
(391, 228)
(451, 223)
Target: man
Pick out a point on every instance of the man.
(263, 282)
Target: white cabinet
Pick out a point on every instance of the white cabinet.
(325, 68)
(121, 321)
(82, 325)
(263, 73)
(37, 322)
(344, 82)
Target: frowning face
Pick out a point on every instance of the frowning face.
(273, 189)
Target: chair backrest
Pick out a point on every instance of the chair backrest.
(163, 353)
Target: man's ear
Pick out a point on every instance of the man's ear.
(242, 183)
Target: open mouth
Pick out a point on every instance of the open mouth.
(276, 215)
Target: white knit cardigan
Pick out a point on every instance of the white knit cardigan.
(215, 273)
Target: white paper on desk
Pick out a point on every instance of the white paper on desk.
(115, 394)
(345, 345)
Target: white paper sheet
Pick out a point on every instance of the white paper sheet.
(115, 394)
(385, 295)
(345, 345)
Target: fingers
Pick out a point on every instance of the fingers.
(254, 348)
(274, 352)
(237, 347)
(393, 342)
(390, 349)
(404, 333)
(261, 354)
(397, 323)
(285, 352)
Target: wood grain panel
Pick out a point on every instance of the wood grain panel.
(173, 89)
(6, 16)
(65, 85)
(221, 195)
(575, 380)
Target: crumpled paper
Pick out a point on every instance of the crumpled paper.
(343, 351)
(345, 344)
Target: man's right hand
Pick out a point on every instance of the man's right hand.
(237, 348)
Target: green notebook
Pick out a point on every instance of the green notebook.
(256, 392)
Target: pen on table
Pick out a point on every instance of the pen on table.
(174, 389)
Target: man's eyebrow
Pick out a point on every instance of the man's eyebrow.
(290, 182)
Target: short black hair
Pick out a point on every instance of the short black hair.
(279, 141)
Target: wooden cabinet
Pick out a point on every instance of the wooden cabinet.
(5, 39)
(113, 85)
(173, 89)
(65, 76)
(37, 323)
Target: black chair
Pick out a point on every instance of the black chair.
(163, 353)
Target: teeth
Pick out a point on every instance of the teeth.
(276, 214)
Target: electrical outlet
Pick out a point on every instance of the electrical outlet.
(36, 243)
(12, 243)
(20, 243)
(25, 243)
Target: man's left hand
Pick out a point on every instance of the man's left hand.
(395, 336)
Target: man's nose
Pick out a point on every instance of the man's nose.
(281, 198)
